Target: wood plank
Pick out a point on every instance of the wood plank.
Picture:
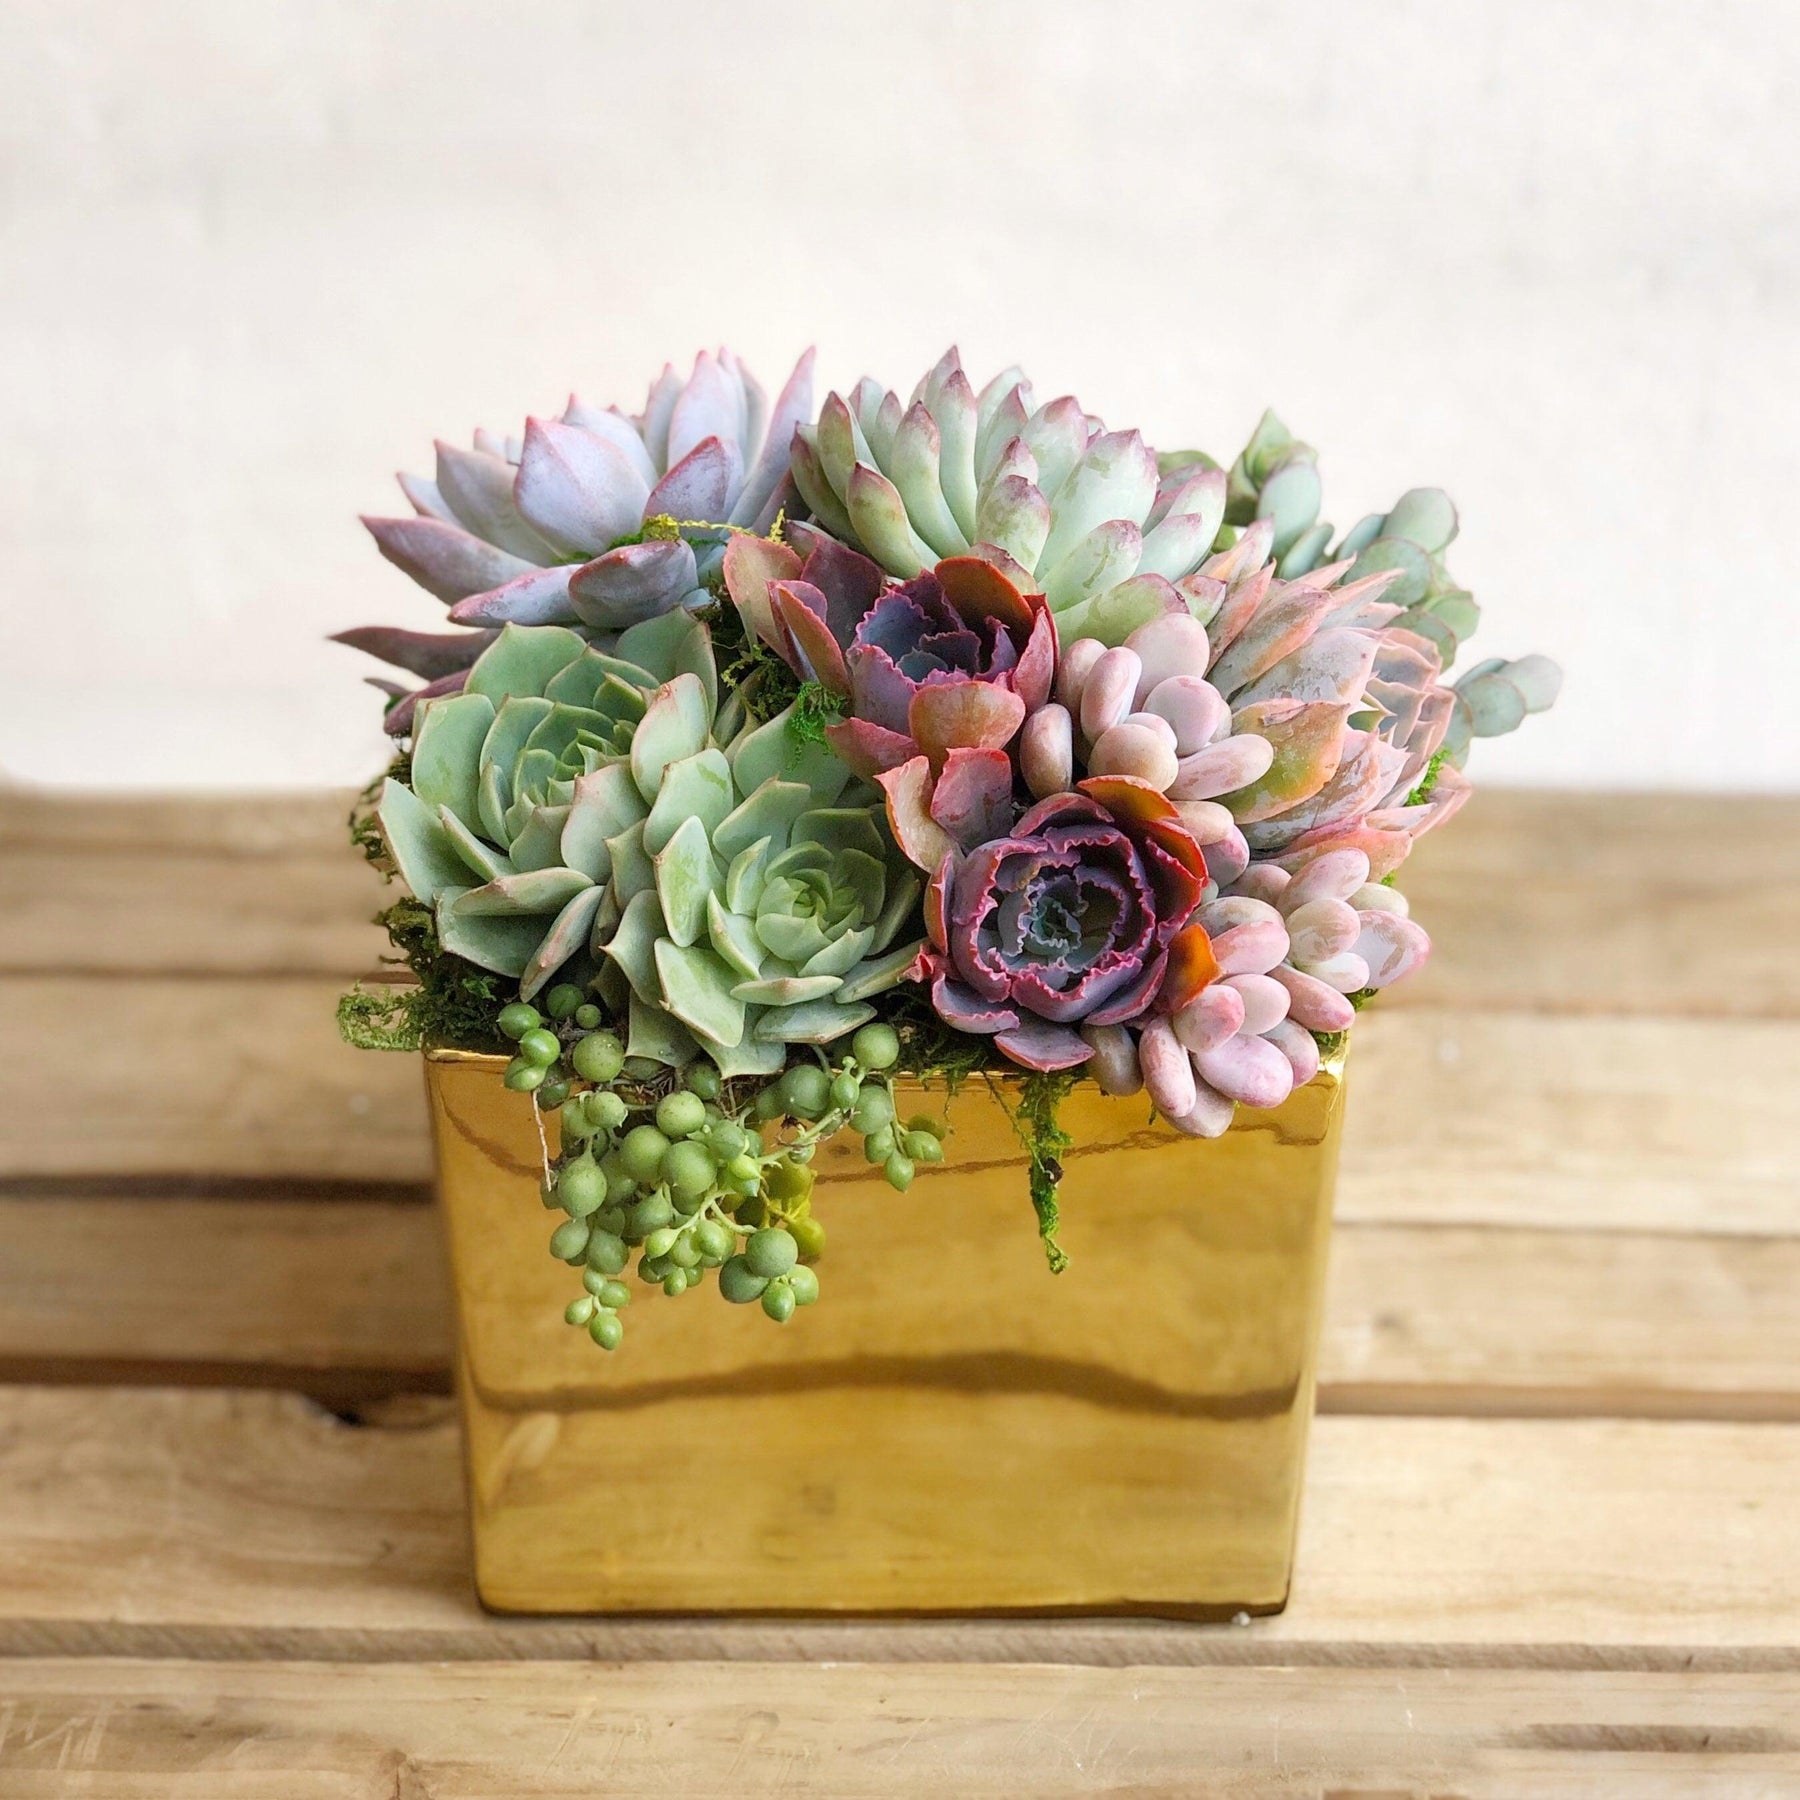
(497, 1730)
(189, 884)
(1489, 1321)
(207, 1524)
(345, 1299)
(1672, 1124)
(1573, 902)
(349, 1300)
(1542, 901)
(233, 1077)
(1574, 1123)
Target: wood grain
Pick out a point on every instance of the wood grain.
(351, 1299)
(1567, 902)
(184, 884)
(155, 1522)
(498, 1730)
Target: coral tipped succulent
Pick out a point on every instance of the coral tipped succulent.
(1038, 752)
(594, 519)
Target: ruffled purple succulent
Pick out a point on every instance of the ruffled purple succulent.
(953, 659)
(1079, 915)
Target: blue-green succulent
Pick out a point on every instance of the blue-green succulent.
(602, 815)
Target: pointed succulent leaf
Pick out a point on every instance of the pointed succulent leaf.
(674, 725)
(879, 516)
(1308, 741)
(787, 990)
(703, 485)
(481, 858)
(792, 406)
(766, 817)
(815, 1022)
(697, 988)
(606, 803)
(578, 491)
(879, 973)
(695, 787)
(537, 844)
(1108, 555)
(446, 764)
(478, 487)
(733, 936)
(501, 942)
(751, 564)
(633, 582)
(686, 872)
(632, 946)
(771, 752)
(568, 933)
(1116, 479)
(523, 660)
(657, 1035)
(443, 558)
(632, 870)
(429, 654)
(418, 844)
(540, 597)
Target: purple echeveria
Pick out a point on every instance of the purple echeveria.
(953, 659)
(548, 528)
(1079, 914)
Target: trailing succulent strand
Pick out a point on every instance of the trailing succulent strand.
(953, 736)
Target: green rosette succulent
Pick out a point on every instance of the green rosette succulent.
(725, 886)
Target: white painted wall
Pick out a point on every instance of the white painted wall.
(256, 254)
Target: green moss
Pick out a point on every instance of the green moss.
(453, 1001)
(1036, 1120)
(1429, 780)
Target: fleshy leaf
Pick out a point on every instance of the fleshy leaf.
(697, 988)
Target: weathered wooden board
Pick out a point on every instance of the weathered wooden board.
(1676, 1124)
(203, 1523)
(1567, 902)
(501, 1731)
(351, 1299)
(188, 884)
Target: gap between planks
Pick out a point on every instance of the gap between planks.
(399, 1732)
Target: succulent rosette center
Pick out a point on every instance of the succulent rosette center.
(1081, 914)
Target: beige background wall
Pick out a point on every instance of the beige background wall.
(254, 256)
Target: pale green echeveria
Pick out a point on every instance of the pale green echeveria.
(1275, 480)
(759, 903)
(1062, 505)
(599, 816)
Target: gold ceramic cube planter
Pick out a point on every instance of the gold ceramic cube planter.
(952, 1428)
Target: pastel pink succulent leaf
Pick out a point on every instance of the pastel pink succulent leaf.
(972, 795)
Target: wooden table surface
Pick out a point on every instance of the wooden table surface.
(1551, 1539)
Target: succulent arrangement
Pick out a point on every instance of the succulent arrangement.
(775, 754)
